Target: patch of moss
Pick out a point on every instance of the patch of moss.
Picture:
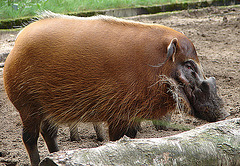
(86, 14)
(15, 23)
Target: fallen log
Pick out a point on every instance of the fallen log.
(212, 144)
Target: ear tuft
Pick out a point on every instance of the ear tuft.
(172, 48)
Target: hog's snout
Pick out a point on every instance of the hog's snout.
(201, 93)
(206, 103)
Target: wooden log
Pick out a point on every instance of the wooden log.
(212, 144)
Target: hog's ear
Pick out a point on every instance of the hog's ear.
(171, 49)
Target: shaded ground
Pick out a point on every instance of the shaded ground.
(216, 34)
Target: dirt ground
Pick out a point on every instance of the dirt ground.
(215, 33)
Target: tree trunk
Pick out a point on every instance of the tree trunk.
(212, 144)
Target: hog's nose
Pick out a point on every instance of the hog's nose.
(208, 85)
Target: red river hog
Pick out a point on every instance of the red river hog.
(65, 69)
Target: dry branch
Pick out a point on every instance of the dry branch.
(211, 144)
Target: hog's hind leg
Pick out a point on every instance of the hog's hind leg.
(49, 133)
(30, 134)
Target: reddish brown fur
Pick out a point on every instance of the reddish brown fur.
(67, 70)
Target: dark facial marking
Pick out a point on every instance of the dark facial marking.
(201, 93)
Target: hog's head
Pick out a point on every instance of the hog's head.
(199, 92)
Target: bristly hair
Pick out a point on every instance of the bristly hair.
(48, 14)
(174, 90)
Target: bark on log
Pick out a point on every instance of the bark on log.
(212, 144)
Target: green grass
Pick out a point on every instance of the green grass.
(19, 8)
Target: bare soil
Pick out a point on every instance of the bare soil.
(215, 33)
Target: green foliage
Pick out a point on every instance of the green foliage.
(20, 8)
(161, 124)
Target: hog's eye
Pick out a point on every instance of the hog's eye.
(188, 66)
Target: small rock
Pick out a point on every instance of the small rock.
(225, 19)
(231, 9)
(3, 154)
(10, 40)
(1, 65)
(215, 61)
